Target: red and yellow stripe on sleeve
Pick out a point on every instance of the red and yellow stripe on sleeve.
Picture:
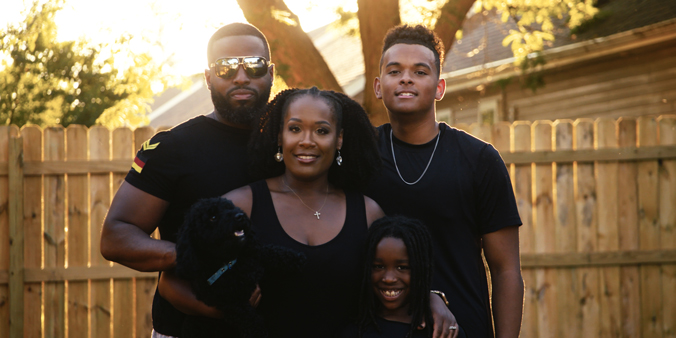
(138, 165)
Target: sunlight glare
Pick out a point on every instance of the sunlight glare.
(177, 31)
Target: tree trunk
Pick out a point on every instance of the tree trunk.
(452, 15)
(295, 57)
(375, 18)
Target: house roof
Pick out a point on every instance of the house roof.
(480, 52)
(479, 49)
(343, 55)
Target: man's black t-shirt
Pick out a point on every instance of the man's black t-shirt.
(465, 193)
(199, 158)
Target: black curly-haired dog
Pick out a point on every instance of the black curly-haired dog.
(218, 253)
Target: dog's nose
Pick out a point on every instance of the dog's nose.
(240, 217)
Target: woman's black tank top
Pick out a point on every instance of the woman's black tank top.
(321, 300)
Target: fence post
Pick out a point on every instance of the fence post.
(16, 237)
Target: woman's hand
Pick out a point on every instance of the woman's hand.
(444, 320)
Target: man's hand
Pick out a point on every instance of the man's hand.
(255, 297)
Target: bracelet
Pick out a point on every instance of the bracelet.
(441, 294)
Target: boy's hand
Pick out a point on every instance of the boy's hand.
(445, 324)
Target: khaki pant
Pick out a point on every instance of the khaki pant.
(159, 335)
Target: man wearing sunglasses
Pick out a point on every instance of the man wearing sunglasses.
(202, 157)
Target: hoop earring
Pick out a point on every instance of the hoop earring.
(279, 157)
(339, 159)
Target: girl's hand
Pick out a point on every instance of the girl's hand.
(444, 320)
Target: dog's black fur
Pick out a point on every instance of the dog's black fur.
(214, 233)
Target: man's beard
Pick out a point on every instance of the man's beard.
(242, 115)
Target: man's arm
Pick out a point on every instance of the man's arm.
(178, 292)
(125, 238)
(501, 249)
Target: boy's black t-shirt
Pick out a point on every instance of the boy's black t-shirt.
(197, 159)
(465, 193)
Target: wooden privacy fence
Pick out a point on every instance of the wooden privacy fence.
(598, 244)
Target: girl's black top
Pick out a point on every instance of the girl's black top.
(390, 329)
(321, 300)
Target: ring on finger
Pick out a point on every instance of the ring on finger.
(452, 327)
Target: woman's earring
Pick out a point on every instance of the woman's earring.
(339, 159)
(279, 157)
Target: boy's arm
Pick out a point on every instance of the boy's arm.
(125, 237)
(443, 318)
(501, 249)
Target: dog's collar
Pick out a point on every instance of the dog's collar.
(220, 271)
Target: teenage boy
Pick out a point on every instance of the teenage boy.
(455, 183)
(202, 157)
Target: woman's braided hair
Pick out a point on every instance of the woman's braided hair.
(361, 159)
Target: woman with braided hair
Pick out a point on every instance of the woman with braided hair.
(316, 150)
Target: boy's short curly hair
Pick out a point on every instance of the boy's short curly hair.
(415, 35)
(361, 159)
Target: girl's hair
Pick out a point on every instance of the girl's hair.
(361, 159)
(418, 243)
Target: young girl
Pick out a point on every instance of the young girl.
(395, 290)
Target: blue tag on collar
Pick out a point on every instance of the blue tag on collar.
(220, 271)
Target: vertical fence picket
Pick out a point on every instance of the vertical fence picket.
(77, 239)
(99, 197)
(123, 292)
(32, 221)
(54, 233)
(608, 237)
(585, 206)
(5, 132)
(651, 281)
(16, 237)
(545, 241)
(145, 287)
(667, 220)
(524, 201)
(627, 192)
(566, 239)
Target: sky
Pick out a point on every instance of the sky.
(181, 28)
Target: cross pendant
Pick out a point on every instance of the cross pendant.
(317, 214)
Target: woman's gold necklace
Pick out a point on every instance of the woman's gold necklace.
(317, 212)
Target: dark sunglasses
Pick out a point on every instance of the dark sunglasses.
(254, 66)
